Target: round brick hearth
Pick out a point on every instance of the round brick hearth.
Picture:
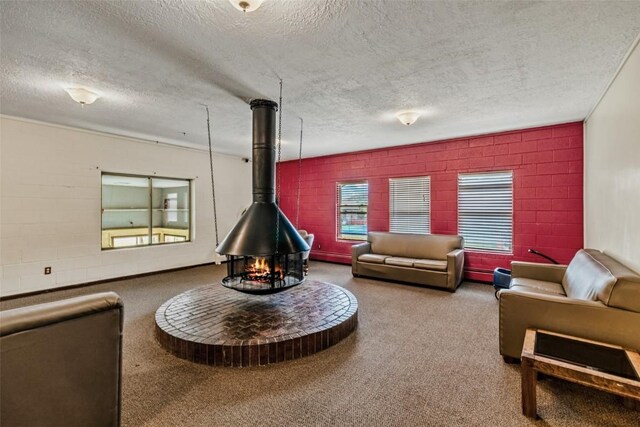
(219, 326)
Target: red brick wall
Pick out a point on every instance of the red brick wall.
(547, 166)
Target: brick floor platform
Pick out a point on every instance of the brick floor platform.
(219, 326)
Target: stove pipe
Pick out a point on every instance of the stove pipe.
(255, 232)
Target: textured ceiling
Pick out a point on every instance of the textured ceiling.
(347, 66)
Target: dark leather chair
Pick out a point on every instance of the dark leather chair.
(61, 363)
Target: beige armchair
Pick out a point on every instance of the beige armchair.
(305, 256)
(594, 297)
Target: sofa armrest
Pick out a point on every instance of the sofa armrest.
(64, 359)
(520, 310)
(455, 268)
(537, 271)
(40, 315)
(356, 251)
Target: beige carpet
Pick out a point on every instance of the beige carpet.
(420, 357)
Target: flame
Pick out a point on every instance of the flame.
(261, 266)
(260, 270)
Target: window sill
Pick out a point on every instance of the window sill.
(155, 245)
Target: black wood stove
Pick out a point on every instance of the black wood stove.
(264, 249)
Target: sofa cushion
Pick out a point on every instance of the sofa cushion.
(538, 286)
(399, 261)
(430, 264)
(588, 279)
(374, 258)
(420, 246)
(625, 294)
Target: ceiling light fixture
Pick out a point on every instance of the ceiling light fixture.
(408, 117)
(82, 96)
(246, 5)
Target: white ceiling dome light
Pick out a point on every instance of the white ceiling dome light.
(82, 96)
(246, 5)
(408, 117)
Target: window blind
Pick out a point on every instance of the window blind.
(485, 210)
(410, 205)
(352, 202)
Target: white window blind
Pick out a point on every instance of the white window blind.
(352, 202)
(410, 205)
(485, 210)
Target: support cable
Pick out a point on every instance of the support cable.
(213, 186)
(278, 169)
(299, 176)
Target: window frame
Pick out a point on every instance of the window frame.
(428, 212)
(150, 208)
(511, 216)
(354, 237)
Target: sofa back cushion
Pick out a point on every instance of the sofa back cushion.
(421, 246)
(587, 279)
(625, 294)
(593, 275)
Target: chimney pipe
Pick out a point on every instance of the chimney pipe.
(264, 150)
(255, 232)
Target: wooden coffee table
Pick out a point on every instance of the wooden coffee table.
(594, 364)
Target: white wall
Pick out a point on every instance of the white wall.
(50, 204)
(612, 168)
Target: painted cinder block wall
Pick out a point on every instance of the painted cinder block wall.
(50, 204)
(547, 165)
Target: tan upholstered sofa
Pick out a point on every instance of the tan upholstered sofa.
(61, 362)
(431, 259)
(594, 297)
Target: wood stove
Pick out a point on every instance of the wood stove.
(264, 249)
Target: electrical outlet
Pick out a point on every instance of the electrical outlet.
(47, 270)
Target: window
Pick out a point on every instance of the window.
(409, 205)
(353, 198)
(143, 210)
(485, 210)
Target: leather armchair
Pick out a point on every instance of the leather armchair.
(594, 297)
(61, 362)
(305, 256)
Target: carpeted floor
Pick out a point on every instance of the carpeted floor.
(420, 357)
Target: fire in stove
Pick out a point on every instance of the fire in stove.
(266, 274)
(260, 271)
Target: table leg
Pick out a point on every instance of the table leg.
(529, 379)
